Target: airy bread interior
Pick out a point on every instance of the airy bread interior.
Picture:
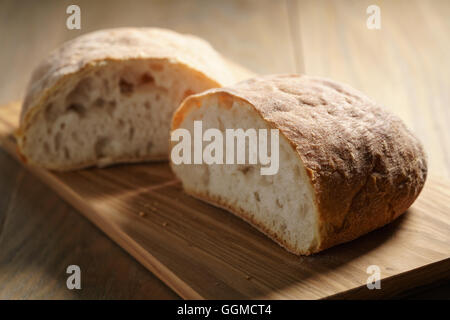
(280, 205)
(117, 111)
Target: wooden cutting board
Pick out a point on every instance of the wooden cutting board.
(204, 252)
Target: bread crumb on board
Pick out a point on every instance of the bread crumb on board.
(151, 206)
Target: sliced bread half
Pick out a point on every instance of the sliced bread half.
(108, 96)
(346, 166)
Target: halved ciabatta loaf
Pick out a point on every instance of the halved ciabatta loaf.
(346, 166)
(109, 96)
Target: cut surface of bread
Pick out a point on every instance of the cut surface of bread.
(108, 97)
(346, 166)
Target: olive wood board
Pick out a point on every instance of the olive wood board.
(203, 252)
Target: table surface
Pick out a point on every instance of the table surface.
(404, 66)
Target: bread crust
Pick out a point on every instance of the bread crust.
(366, 168)
(82, 54)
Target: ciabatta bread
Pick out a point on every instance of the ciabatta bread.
(346, 166)
(108, 96)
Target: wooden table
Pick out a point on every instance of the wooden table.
(404, 66)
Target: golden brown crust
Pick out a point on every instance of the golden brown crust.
(365, 166)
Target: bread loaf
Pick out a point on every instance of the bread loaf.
(346, 166)
(108, 96)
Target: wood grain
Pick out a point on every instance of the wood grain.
(404, 66)
(36, 225)
(204, 252)
(40, 235)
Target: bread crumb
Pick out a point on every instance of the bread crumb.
(248, 277)
(165, 224)
(150, 206)
(142, 214)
